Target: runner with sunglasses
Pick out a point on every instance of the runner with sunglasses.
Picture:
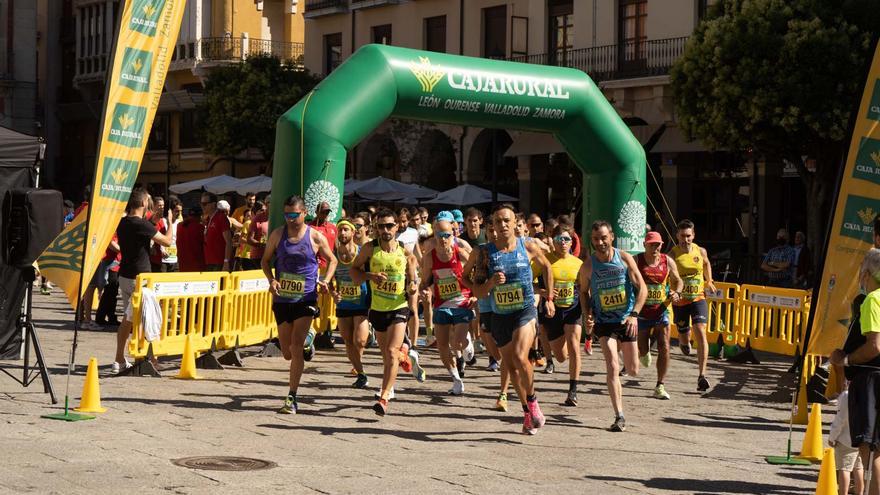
(442, 268)
(294, 285)
(664, 287)
(392, 277)
(563, 329)
(361, 223)
(513, 320)
(352, 302)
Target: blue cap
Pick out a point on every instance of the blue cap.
(445, 216)
(456, 214)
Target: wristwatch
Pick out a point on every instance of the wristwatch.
(634, 314)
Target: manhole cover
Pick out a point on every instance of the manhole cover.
(224, 463)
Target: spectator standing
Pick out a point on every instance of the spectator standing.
(172, 221)
(191, 242)
(243, 251)
(218, 236)
(106, 314)
(779, 262)
(803, 261)
(258, 232)
(249, 200)
(157, 218)
(135, 234)
(846, 457)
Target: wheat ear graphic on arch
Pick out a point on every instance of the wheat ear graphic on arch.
(427, 74)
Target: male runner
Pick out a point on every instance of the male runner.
(664, 285)
(513, 320)
(352, 302)
(361, 223)
(294, 285)
(608, 279)
(325, 322)
(692, 309)
(392, 278)
(442, 268)
(563, 329)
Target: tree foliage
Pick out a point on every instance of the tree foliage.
(243, 102)
(779, 78)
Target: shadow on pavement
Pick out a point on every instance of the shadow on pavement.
(698, 486)
(408, 435)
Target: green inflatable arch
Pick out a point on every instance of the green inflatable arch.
(379, 82)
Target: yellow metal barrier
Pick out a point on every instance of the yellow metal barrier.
(723, 305)
(251, 319)
(192, 304)
(773, 319)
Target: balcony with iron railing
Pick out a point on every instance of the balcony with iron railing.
(222, 49)
(317, 8)
(620, 61)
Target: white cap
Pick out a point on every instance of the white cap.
(223, 205)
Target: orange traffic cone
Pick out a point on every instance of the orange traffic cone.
(827, 484)
(812, 446)
(188, 362)
(90, 401)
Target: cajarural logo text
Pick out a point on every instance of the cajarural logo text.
(486, 82)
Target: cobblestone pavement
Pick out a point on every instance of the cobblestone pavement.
(430, 442)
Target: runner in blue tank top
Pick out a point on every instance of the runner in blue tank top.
(608, 279)
(513, 312)
(294, 284)
(352, 302)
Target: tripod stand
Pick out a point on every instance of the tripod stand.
(26, 326)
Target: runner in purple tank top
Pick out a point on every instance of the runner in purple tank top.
(294, 284)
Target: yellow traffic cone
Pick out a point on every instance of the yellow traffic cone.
(188, 362)
(827, 484)
(812, 446)
(800, 416)
(91, 396)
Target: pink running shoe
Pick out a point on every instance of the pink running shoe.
(588, 345)
(528, 429)
(536, 414)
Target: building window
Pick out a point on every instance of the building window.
(702, 9)
(560, 31)
(382, 34)
(633, 34)
(189, 125)
(332, 52)
(495, 32)
(435, 34)
(159, 134)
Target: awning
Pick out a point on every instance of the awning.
(673, 141)
(178, 101)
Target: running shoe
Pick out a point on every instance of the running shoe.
(588, 345)
(622, 371)
(431, 344)
(646, 360)
(537, 416)
(528, 427)
(309, 352)
(371, 340)
(493, 365)
(572, 399)
(45, 291)
(459, 364)
(361, 382)
(289, 406)
(479, 348)
(550, 368)
(660, 392)
(380, 407)
(685, 345)
(391, 395)
(541, 361)
(457, 387)
(405, 363)
(501, 403)
(702, 384)
(417, 370)
(118, 367)
(619, 424)
(468, 354)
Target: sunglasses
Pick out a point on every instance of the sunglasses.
(444, 235)
(292, 215)
(358, 225)
(560, 238)
(386, 226)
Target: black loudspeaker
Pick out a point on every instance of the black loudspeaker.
(32, 219)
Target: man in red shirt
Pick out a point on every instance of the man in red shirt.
(326, 321)
(218, 236)
(190, 242)
(258, 233)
